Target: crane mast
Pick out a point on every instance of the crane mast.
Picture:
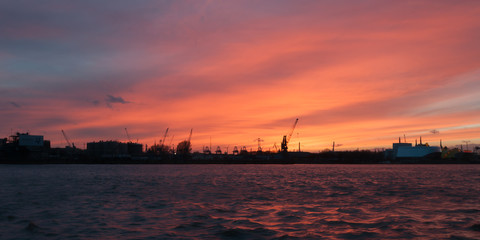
(286, 138)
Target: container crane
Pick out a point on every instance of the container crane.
(206, 150)
(235, 151)
(286, 138)
(243, 150)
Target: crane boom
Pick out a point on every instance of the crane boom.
(66, 138)
(164, 136)
(291, 132)
(128, 136)
(190, 136)
(286, 138)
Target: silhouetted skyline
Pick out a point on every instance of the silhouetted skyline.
(361, 74)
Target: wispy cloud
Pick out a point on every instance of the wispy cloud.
(15, 104)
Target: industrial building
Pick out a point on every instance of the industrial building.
(25, 141)
(408, 151)
(23, 146)
(113, 149)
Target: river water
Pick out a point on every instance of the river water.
(240, 201)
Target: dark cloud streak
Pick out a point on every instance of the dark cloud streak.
(112, 99)
(15, 104)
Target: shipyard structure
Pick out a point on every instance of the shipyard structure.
(26, 148)
(407, 151)
(113, 149)
(23, 146)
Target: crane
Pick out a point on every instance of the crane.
(66, 139)
(190, 136)
(164, 136)
(206, 150)
(286, 138)
(235, 151)
(128, 136)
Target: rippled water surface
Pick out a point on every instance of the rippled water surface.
(240, 201)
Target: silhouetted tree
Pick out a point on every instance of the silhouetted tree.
(159, 149)
(184, 148)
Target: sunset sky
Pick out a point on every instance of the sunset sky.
(360, 73)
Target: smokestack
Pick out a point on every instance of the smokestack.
(333, 146)
(420, 140)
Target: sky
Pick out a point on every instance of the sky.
(360, 73)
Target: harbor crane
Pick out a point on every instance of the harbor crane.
(218, 151)
(190, 136)
(206, 150)
(164, 136)
(286, 138)
(243, 150)
(128, 136)
(235, 151)
(68, 141)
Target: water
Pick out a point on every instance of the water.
(239, 201)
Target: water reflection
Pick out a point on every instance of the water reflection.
(240, 201)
